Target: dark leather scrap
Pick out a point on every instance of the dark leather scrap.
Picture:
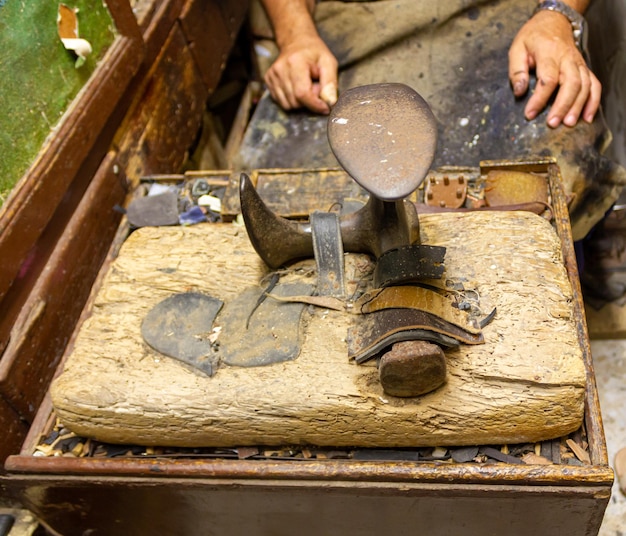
(408, 264)
(179, 327)
(375, 331)
(273, 333)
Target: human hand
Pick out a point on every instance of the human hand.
(546, 44)
(304, 75)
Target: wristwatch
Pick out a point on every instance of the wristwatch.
(578, 22)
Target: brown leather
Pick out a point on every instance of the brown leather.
(376, 331)
(419, 298)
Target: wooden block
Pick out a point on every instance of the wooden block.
(526, 383)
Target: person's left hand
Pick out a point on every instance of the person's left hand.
(546, 44)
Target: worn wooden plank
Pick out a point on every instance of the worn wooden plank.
(367, 507)
(210, 28)
(47, 319)
(526, 383)
(166, 115)
(158, 26)
(295, 193)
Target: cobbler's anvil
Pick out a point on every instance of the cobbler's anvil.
(384, 136)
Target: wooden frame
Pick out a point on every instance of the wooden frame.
(332, 496)
(34, 217)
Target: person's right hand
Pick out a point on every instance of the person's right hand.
(304, 75)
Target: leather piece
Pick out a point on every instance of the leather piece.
(419, 298)
(408, 264)
(506, 187)
(378, 330)
(179, 327)
(273, 334)
(362, 355)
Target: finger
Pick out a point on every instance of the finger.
(305, 90)
(328, 94)
(519, 69)
(328, 80)
(276, 91)
(593, 102)
(547, 82)
(572, 115)
(570, 87)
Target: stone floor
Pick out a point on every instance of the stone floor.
(609, 358)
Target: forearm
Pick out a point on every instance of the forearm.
(290, 19)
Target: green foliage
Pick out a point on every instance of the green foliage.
(39, 77)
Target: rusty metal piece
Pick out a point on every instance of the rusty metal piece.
(378, 227)
(445, 191)
(412, 368)
(384, 136)
(506, 187)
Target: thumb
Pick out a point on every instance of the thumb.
(328, 82)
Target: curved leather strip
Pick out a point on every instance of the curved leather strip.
(409, 263)
(408, 335)
(414, 297)
(374, 330)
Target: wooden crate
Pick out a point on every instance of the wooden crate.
(227, 494)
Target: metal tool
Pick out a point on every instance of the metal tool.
(384, 136)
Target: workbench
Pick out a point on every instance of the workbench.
(232, 483)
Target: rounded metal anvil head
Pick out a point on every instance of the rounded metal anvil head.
(385, 137)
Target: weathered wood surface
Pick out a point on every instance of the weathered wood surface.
(527, 383)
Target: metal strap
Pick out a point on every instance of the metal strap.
(328, 251)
